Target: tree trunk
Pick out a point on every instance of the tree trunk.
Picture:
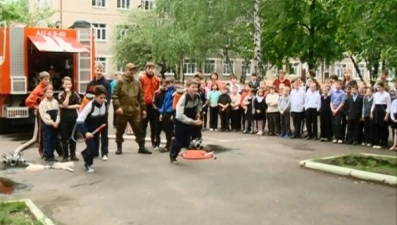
(163, 69)
(357, 68)
(312, 33)
(244, 71)
(257, 38)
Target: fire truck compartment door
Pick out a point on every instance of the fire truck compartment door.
(57, 44)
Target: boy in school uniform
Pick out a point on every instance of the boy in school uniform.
(297, 98)
(90, 118)
(224, 102)
(338, 98)
(50, 119)
(354, 106)
(366, 113)
(187, 117)
(284, 106)
(312, 106)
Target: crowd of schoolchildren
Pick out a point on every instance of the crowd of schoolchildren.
(339, 111)
(346, 112)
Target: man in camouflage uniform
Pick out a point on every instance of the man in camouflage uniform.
(130, 107)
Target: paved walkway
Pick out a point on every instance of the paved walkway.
(256, 180)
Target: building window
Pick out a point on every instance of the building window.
(99, 3)
(226, 68)
(104, 61)
(100, 31)
(275, 71)
(189, 68)
(147, 4)
(361, 67)
(340, 70)
(209, 66)
(123, 4)
(318, 72)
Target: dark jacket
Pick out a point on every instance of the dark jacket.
(93, 83)
(158, 99)
(354, 108)
(225, 99)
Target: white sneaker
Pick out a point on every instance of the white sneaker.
(259, 133)
(211, 129)
(88, 169)
(215, 129)
(334, 141)
(340, 141)
(157, 148)
(369, 145)
(105, 158)
(363, 144)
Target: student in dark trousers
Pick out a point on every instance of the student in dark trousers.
(348, 91)
(380, 115)
(158, 100)
(167, 113)
(273, 114)
(90, 118)
(259, 110)
(69, 102)
(213, 97)
(297, 98)
(326, 115)
(312, 106)
(187, 116)
(50, 119)
(248, 104)
(224, 108)
(366, 113)
(197, 135)
(235, 113)
(284, 106)
(338, 98)
(354, 106)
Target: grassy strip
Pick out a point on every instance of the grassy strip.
(375, 164)
(16, 213)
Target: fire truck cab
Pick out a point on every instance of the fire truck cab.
(27, 51)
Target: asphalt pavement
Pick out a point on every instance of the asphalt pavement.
(255, 180)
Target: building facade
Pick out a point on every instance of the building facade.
(105, 15)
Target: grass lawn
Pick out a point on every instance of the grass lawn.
(16, 213)
(375, 164)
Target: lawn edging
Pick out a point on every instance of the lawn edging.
(343, 171)
(37, 213)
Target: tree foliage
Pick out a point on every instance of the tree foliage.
(19, 12)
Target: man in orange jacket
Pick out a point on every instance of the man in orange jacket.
(150, 84)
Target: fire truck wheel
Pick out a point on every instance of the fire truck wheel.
(4, 125)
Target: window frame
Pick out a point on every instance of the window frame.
(363, 68)
(149, 3)
(119, 4)
(338, 67)
(224, 64)
(186, 62)
(204, 66)
(95, 5)
(99, 28)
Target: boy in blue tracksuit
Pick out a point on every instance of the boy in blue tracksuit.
(167, 113)
(187, 116)
(90, 118)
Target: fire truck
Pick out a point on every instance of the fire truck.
(26, 51)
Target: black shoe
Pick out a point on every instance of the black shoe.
(143, 150)
(51, 160)
(65, 159)
(74, 158)
(173, 161)
(164, 150)
(119, 151)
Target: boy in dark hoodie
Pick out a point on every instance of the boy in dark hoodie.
(167, 113)
(224, 102)
(99, 79)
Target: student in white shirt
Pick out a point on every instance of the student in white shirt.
(380, 111)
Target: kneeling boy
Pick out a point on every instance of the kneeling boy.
(186, 117)
(90, 118)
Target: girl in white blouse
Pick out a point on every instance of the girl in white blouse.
(393, 116)
(380, 112)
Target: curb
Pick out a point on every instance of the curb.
(37, 213)
(342, 171)
(132, 138)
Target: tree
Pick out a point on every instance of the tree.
(19, 12)
(368, 32)
(305, 30)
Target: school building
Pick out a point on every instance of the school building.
(105, 15)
